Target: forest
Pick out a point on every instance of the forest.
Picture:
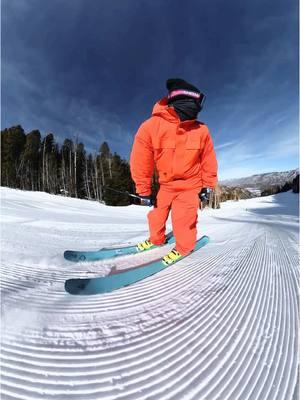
(30, 162)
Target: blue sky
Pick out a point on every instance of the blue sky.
(95, 68)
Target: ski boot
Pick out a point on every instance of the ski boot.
(145, 245)
(171, 257)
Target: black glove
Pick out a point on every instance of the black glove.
(147, 200)
(205, 194)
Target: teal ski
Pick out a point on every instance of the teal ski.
(116, 280)
(105, 253)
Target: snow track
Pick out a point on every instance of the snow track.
(221, 324)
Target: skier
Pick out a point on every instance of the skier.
(181, 149)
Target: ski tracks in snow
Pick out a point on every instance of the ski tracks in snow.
(221, 324)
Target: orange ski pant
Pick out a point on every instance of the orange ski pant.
(184, 207)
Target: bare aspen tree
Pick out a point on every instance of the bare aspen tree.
(217, 197)
(97, 180)
(63, 173)
(75, 166)
(103, 178)
(109, 166)
(95, 177)
(87, 186)
(102, 171)
(43, 165)
(92, 172)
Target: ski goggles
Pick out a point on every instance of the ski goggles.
(199, 97)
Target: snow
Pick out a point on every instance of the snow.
(220, 324)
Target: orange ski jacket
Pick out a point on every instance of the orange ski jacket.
(182, 152)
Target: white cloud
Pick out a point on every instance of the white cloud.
(227, 144)
(64, 116)
(249, 157)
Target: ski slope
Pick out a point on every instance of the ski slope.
(220, 324)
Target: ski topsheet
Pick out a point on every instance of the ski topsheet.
(115, 281)
(102, 254)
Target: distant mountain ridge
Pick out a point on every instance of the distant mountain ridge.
(262, 181)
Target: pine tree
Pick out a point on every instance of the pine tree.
(29, 162)
(12, 145)
(120, 180)
(80, 171)
(105, 161)
(88, 178)
(49, 152)
(67, 167)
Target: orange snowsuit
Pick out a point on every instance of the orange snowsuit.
(184, 156)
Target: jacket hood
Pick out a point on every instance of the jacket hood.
(161, 109)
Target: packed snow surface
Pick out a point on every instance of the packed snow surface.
(220, 324)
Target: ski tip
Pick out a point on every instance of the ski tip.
(206, 238)
(70, 255)
(68, 286)
(75, 286)
(74, 256)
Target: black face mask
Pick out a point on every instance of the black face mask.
(186, 108)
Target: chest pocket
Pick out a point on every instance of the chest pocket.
(193, 142)
(164, 150)
(164, 143)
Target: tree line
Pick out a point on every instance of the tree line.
(292, 185)
(30, 162)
